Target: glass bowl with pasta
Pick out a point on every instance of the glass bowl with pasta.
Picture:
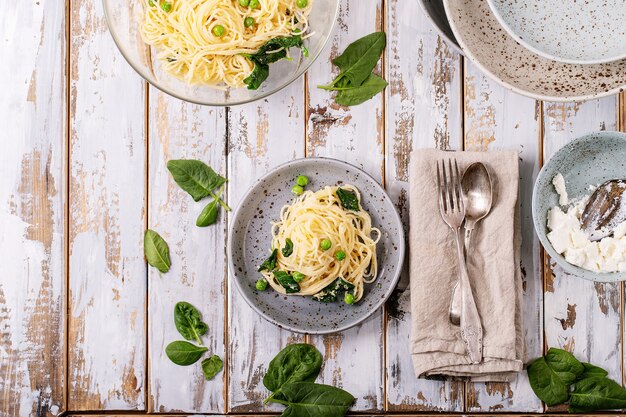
(221, 52)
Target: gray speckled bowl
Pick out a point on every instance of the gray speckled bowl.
(589, 160)
(250, 237)
(434, 11)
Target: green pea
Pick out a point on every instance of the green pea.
(151, 3)
(348, 298)
(166, 6)
(254, 4)
(297, 190)
(297, 276)
(248, 21)
(261, 284)
(244, 3)
(340, 255)
(219, 31)
(302, 3)
(302, 180)
(326, 244)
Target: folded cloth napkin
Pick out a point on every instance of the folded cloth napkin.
(493, 264)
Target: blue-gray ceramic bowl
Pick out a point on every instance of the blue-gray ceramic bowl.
(250, 237)
(589, 160)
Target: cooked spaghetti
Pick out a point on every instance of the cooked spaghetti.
(315, 229)
(206, 41)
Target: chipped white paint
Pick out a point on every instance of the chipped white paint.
(107, 273)
(580, 316)
(496, 118)
(179, 130)
(32, 210)
(259, 139)
(423, 110)
(354, 135)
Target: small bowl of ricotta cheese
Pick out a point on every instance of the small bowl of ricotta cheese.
(561, 192)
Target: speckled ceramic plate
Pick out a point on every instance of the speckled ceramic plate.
(576, 32)
(434, 11)
(589, 160)
(500, 56)
(250, 236)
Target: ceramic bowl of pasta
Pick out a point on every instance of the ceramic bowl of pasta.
(316, 246)
(221, 52)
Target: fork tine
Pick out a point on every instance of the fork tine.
(439, 190)
(446, 190)
(459, 189)
(452, 188)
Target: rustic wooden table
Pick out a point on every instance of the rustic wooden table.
(84, 322)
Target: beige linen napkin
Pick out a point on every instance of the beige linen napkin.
(493, 265)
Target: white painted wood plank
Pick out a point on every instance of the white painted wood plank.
(581, 316)
(32, 209)
(107, 272)
(496, 118)
(424, 105)
(261, 135)
(180, 130)
(354, 135)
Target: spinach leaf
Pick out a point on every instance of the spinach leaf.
(597, 393)
(329, 294)
(546, 383)
(157, 251)
(209, 214)
(358, 95)
(288, 249)
(184, 353)
(188, 321)
(359, 59)
(270, 263)
(349, 199)
(266, 55)
(564, 365)
(287, 282)
(295, 363)
(313, 400)
(211, 366)
(197, 178)
(257, 76)
(592, 371)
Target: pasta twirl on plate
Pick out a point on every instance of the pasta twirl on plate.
(326, 241)
(206, 41)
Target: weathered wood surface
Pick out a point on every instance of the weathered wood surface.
(83, 178)
(32, 209)
(107, 217)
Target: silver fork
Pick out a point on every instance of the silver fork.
(452, 211)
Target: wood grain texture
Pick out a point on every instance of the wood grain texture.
(496, 118)
(354, 135)
(107, 203)
(423, 110)
(259, 138)
(32, 209)
(581, 316)
(179, 130)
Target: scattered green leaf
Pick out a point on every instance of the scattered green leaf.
(358, 95)
(188, 322)
(597, 393)
(184, 353)
(157, 251)
(211, 366)
(313, 400)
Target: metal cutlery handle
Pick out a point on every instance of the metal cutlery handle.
(471, 328)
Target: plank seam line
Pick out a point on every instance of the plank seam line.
(385, 315)
(226, 271)
(147, 386)
(66, 246)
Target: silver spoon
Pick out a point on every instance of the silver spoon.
(476, 185)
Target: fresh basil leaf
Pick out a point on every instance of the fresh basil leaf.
(156, 251)
(287, 282)
(592, 371)
(360, 57)
(349, 199)
(564, 364)
(314, 400)
(195, 177)
(288, 249)
(184, 353)
(295, 363)
(546, 383)
(209, 214)
(270, 263)
(211, 366)
(188, 321)
(364, 92)
(597, 393)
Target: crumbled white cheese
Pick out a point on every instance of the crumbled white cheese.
(568, 238)
(559, 185)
